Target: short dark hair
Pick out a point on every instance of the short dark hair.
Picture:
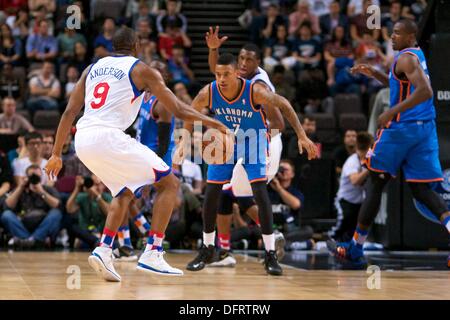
(226, 59)
(364, 140)
(32, 167)
(124, 39)
(290, 162)
(409, 25)
(253, 48)
(177, 46)
(279, 68)
(32, 135)
(309, 118)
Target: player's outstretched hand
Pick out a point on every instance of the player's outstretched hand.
(364, 69)
(212, 38)
(53, 167)
(310, 147)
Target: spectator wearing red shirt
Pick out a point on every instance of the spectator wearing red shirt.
(173, 35)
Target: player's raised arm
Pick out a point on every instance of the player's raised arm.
(146, 78)
(76, 102)
(273, 100)
(213, 42)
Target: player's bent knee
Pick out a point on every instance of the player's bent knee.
(169, 182)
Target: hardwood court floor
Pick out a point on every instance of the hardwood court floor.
(43, 275)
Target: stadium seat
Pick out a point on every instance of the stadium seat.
(25, 114)
(46, 120)
(347, 103)
(353, 121)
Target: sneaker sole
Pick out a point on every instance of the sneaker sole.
(99, 267)
(144, 268)
(222, 264)
(126, 259)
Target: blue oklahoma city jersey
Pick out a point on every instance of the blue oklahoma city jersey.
(240, 113)
(251, 138)
(147, 129)
(410, 141)
(400, 89)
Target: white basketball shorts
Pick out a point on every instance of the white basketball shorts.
(118, 160)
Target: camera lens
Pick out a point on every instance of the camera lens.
(34, 179)
(88, 182)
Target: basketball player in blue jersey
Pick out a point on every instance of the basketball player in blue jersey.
(236, 102)
(239, 190)
(155, 123)
(406, 140)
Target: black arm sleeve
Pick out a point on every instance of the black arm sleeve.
(163, 138)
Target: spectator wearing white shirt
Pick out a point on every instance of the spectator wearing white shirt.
(351, 191)
(33, 142)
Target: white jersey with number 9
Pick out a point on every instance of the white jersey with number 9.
(111, 98)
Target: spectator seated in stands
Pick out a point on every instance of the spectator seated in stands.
(66, 44)
(32, 214)
(45, 90)
(105, 38)
(171, 17)
(41, 46)
(144, 12)
(306, 50)
(10, 48)
(369, 52)
(264, 28)
(173, 35)
(178, 66)
(338, 47)
(12, 84)
(286, 202)
(19, 24)
(334, 18)
(342, 152)
(278, 50)
(48, 141)
(6, 177)
(80, 61)
(87, 207)
(72, 76)
(351, 190)
(33, 143)
(21, 150)
(10, 121)
(41, 11)
(302, 15)
(358, 22)
(144, 30)
(148, 51)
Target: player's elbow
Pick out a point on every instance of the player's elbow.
(428, 92)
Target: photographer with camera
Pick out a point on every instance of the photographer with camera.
(91, 201)
(286, 202)
(32, 212)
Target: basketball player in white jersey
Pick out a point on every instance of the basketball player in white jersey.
(111, 91)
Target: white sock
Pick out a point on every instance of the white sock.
(269, 241)
(209, 239)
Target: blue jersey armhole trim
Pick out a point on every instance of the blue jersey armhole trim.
(135, 89)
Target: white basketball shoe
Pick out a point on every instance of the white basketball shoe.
(153, 261)
(101, 260)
